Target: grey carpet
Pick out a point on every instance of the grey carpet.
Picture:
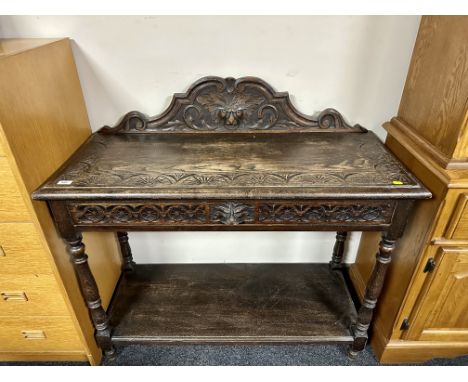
(242, 355)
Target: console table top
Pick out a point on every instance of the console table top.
(229, 138)
(305, 165)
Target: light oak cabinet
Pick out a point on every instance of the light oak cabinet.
(424, 312)
(43, 120)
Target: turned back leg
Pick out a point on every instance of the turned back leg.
(127, 258)
(338, 250)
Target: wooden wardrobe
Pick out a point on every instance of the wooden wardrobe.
(43, 120)
(424, 312)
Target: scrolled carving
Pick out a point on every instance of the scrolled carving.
(332, 119)
(228, 104)
(132, 121)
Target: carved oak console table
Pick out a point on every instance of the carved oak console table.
(231, 155)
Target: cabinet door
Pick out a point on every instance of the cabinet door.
(443, 313)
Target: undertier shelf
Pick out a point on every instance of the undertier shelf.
(235, 303)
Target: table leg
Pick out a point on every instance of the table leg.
(373, 289)
(377, 277)
(90, 293)
(128, 264)
(86, 280)
(338, 250)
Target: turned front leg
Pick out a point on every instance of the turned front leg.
(90, 293)
(338, 250)
(373, 289)
(127, 258)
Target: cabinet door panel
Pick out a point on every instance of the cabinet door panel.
(443, 314)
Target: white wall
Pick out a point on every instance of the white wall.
(356, 64)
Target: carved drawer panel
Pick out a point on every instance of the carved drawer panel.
(33, 294)
(12, 206)
(232, 213)
(24, 334)
(21, 251)
(458, 226)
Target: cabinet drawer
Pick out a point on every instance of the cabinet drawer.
(38, 334)
(458, 226)
(30, 295)
(12, 205)
(21, 251)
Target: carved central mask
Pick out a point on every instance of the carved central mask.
(231, 117)
(230, 108)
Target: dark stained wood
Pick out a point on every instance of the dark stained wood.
(233, 155)
(338, 250)
(376, 280)
(232, 166)
(233, 214)
(88, 286)
(232, 303)
(127, 258)
(215, 104)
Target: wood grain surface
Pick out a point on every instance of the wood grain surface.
(12, 204)
(232, 303)
(42, 294)
(60, 335)
(434, 101)
(43, 121)
(289, 165)
(25, 256)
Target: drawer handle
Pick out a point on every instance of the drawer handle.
(34, 334)
(14, 296)
(2, 252)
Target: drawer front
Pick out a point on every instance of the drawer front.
(458, 226)
(21, 251)
(30, 295)
(234, 214)
(12, 205)
(25, 334)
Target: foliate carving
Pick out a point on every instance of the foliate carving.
(386, 175)
(232, 213)
(139, 213)
(326, 213)
(227, 104)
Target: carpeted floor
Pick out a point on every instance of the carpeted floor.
(243, 355)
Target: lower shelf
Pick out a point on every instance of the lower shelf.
(219, 303)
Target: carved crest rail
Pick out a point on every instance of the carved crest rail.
(215, 104)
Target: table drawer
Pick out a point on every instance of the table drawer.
(21, 251)
(458, 226)
(320, 214)
(38, 334)
(34, 294)
(12, 205)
